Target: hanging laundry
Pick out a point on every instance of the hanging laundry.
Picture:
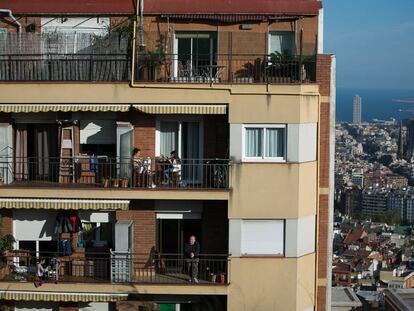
(62, 224)
(75, 222)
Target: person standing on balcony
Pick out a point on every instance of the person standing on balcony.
(191, 254)
(138, 168)
(41, 272)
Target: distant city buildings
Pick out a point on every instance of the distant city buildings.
(357, 110)
(374, 202)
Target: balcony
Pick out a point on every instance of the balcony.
(226, 68)
(114, 173)
(115, 268)
(191, 57)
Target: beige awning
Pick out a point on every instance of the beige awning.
(63, 204)
(19, 108)
(181, 109)
(60, 296)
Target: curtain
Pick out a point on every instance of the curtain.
(282, 42)
(254, 137)
(168, 137)
(21, 165)
(274, 142)
(192, 167)
(42, 152)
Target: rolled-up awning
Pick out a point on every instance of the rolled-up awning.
(60, 296)
(63, 204)
(181, 109)
(19, 108)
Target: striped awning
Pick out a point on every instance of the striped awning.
(63, 204)
(18, 108)
(181, 109)
(60, 296)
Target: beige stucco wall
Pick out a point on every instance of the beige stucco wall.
(273, 103)
(273, 108)
(271, 284)
(273, 191)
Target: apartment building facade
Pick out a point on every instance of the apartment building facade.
(128, 127)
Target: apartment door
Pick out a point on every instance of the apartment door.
(195, 53)
(124, 142)
(174, 233)
(6, 153)
(186, 138)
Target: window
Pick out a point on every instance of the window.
(282, 42)
(262, 237)
(95, 231)
(264, 143)
(195, 52)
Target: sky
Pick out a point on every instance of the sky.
(373, 41)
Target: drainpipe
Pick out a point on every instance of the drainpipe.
(141, 23)
(10, 13)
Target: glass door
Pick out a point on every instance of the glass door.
(124, 140)
(193, 165)
(195, 55)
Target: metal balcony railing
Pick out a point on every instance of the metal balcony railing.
(225, 68)
(81, 267)
(105, 172)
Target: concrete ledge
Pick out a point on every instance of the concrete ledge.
(100, 193)
(173, 289)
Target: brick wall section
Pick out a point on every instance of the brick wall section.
(215, 227)
(321, 303)
(144, 229)
(322, 236)
(216, 137)
(144, 131)
(324, 81)
(6, 217)
(144, 134)
(324, 146)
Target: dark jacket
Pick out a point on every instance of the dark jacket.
(188, 249)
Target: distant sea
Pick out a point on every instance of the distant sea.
(376, 103)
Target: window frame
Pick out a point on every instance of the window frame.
(264, 158)
(263, 254)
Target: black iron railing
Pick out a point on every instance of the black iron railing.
(105, 172)
(226, 68)
(165, 68)
(84, 267)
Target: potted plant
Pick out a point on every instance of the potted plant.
(222, 278)
(151, 64)
(6, 245)
(115, 182)
(124, 182)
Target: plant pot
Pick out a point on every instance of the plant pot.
(115, 183)
(105, 183)
(213, 278)
(222, 278)
(124, 183)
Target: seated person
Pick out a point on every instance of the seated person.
(173, 166)
(137, 159)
